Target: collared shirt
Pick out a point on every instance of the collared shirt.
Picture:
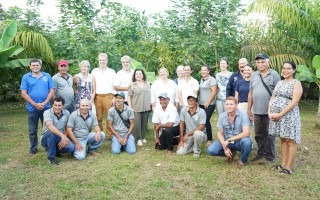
(233, 80)
(123, 79)
(140, 97)
(187, 88)
(81, 127)
(58, 122)
(104, 80)
(231, 129)
(170, 114)
(64, 88)
(205, 89)
(127, 114)
(37, 88)
(193, 121)
(159, 86)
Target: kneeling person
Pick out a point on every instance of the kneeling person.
(79, 128)
(54, 138)
(233, 134)
(120, 121)
(166, 120)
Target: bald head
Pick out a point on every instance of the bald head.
(242, 62)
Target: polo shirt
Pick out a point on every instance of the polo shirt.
(205, 89)
(104, 80)
(117, 123)
(64, 88)
(123, 79)
(231, 129)
(37, 88)
(170, 114)
(192, 122)
(81, 127)
(59, 123)
(159, 86)
(231, 86)
(243, 88)
(260, 94)
(187, 88)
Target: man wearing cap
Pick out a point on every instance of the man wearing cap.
(64, 82)
(79, 128)
(235, 77)
(166, 120)
(233, 134)
(262, 84)
(120, 121)
(37, 88)
(192, 128)
(54, 137)
(104, 79)
(123, 79)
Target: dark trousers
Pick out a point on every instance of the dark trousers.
(209, 112)
(265, 142)
(33, 120)
(168, 138)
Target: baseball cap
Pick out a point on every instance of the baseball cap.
(193, 96)
(163, 95)
(120, 94)
(261, 56)
(63, 62)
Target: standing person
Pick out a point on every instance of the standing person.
(192, 128)
(104, 78)
(54, 136)
(120, 120)
(207, 94)
(139, 99)
(37, 88)
(187, 86)
(222, 81)
(285, 117)
(84, 83)
(262, 84)
(180, 74)
(123, 79)
(79, 127)
(161, 85)
(166, 121)
(243, 87)
(235, 77)
(232, 139)
(64, 82)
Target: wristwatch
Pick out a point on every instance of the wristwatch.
(229, 140)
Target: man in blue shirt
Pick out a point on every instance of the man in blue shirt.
(235, 77)
(233, 134)
(37, 88)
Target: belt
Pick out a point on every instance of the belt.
(243, 102)
(103, 95)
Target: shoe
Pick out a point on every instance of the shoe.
(144, 141)
(59, 155)
(53, 161)
(285, 172)
(94, 153)
(240, 164)
(32, 153)
(256, 159)
(139, 143)
(169, 153)
(277, 168)
(208, 143)
(270, 160)
(230, 159)
(196, 155)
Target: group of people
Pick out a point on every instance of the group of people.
(182, 109)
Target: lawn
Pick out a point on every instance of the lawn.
(138, 177)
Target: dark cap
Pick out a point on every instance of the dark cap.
(261, 56)
(63, 62)
(121, 94)
(163, 95)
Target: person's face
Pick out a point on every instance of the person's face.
(241, 65)
(230, 106)
(287, 71)
(103, 61)
(223, 65)
(180, 73)
(204, 72)
(138, 75)
(35, 67)
(192, 102)
(84, 107)
(247, 71)
(63, 69)
(126, 64)
(57, 107)
(119, 100)
(262, 64)
(187, 71)
(163, 74)
(84, 69)
(164, 102)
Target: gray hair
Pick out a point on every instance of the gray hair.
(85, 63)
(125, 57)
(103, 55)
(180, 67)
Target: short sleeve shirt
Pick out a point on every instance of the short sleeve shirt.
(187, 88)
(194, 121)
(170, 114)
(104, 80)
(205, 89)
(64, 88)
(60, 123)
(123, 79)
(159, 87)
(127, 114)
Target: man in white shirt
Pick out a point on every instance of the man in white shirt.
(188, 86)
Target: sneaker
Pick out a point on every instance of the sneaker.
(240, 164)
(32, 153)
(93, 153)
(230, 159)
(169, 153)
(139, 143)
(59, 155)
(258, 158)
(144, 141)
(196, 155)
(53, 161)
(208, 143)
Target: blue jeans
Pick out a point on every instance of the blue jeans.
(130, 147)
(91, 142)
(243, 145)
(209, 112)
(50, 142)
(33, 120)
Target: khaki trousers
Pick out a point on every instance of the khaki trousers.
(103, 103)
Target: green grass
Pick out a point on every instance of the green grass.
(137, 176)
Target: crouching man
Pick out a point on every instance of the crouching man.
(79, 128)
(120, 122)
(54, 138)
(233, 134)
